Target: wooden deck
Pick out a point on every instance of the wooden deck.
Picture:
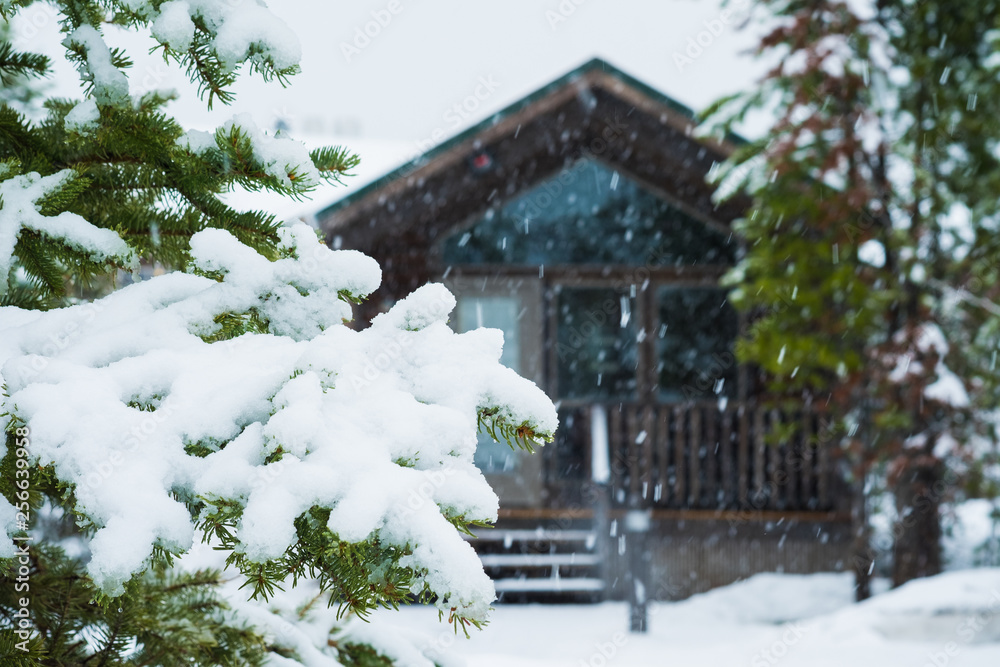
(705, 460)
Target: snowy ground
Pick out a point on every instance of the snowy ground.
(952, 620)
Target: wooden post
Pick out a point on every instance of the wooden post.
(760, 496)
(637, 523)
(600, 477)
(694, 450)
(743, 457)
(809, 443)
(663, 455)
(729, 490)
(712, 449)
(680, 469)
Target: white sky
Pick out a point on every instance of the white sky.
(431, 55)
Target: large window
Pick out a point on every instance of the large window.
(588, 214)
(695, 343)
(596, 349)
(649, 340)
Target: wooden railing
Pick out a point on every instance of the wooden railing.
(712, 456)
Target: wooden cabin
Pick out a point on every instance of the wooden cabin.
(579, 222)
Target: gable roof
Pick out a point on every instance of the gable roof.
(577, 75)
(651, 139)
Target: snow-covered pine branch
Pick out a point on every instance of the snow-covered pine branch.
(363, 437)
(212, 39)
(138, 174)
(29, 205)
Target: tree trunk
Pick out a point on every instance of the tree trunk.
(917, 546)
(861, 549)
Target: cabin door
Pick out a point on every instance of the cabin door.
(513, 305)
(597, 360)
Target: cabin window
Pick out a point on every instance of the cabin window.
(588, 214)
(495, 312)
(597, 354)
(697, 330)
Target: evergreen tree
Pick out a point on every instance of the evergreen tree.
(98, 186)
(124, 166)
(871, 243)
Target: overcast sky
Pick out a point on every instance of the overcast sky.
(401, 81)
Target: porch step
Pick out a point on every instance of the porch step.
(542, 564)
(544, 534)
(549, 585)
(539, 560)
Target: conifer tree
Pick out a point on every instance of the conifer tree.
(871, 244)
(259, 362)
(128, 169)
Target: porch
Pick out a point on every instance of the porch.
(725, 489)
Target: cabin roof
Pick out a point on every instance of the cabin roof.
(595, 112)
(574, 76)
(595, 73)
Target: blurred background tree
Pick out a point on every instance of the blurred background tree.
(872, 246)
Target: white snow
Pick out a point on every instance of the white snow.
(173, 25)
(248, 30)
(197, 141)
(932, 338)
(237, 31)
(947, 388)
(280, 156)
(113, 391)
(769, 619)
(20, 194)
(110, 83)
(872, 252)
(8, 520)
(83, 116)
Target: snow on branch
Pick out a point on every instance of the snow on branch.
(212, 39)
(98, 65)
(22, 207)
(301, 446)
(238, 31)
(257, 160)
